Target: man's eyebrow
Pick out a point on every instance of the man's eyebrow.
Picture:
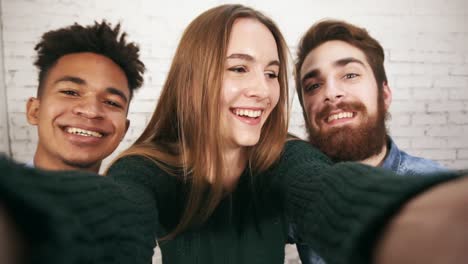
(339, 63)
(248, 57)
(72, 79)
(117, 92)
(346, 61)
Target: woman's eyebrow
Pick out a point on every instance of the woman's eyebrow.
(248, 57)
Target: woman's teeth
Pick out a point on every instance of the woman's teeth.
(248, 113)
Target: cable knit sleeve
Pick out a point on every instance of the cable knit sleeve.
(341, 209)
(77, 217)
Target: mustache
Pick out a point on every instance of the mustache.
(345, 106)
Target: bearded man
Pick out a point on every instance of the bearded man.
(344, 93)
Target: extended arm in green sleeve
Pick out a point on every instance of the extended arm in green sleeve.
(341, 210)
(76, 217)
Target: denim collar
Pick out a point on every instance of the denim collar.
(393, 158)
(30, 164)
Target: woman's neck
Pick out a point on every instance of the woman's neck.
(235, 162)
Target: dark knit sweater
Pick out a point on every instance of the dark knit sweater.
(75, 217)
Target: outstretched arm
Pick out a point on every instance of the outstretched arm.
(77, 217)
(342, 210)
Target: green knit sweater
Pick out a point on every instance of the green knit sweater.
(75, 217)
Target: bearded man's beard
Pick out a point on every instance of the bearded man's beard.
(351, 143)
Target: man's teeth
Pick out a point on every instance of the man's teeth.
(249, 113)
(339, 116)
(83, 132)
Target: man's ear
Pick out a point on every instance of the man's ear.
(32, 110)
(387, 95)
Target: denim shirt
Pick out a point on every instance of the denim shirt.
(396, 160)
(29, 164)
(402, 163)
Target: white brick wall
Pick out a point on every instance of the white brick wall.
(426, 42)
(4, 140)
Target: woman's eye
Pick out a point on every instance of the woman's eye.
(271, 75)
(238, 69)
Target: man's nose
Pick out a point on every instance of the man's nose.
(89, 108)
(334, 92)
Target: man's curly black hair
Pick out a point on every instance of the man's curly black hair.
(99, 38)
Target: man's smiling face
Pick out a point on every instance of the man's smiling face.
(81, 113)
(344, 104)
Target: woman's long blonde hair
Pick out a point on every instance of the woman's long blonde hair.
(183, 136)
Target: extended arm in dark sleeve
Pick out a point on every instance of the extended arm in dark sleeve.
(77, 217)
(342, 210)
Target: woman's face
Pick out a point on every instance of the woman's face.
(250, 88)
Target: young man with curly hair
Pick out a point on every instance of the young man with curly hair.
(87, 76)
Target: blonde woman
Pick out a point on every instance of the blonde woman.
(211, 176)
